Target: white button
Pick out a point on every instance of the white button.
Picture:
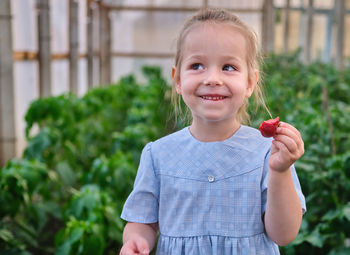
(211, 178)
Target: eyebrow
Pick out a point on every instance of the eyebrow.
(195, 56)
(226, 57)
(233, 58)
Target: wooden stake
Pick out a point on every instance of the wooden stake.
(339, 6)
(309, 29)
(7, 106)
(73, 46)
(268, 26)
(105, 46)
(286, 28)
(44, 48)
(90, 44)
(325, 102)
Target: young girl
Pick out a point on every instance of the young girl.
(217, 186)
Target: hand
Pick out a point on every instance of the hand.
(137, 246)
(286, 148)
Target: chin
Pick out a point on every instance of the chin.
(214, 116)
(215, 119)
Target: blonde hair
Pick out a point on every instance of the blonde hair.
(216, 15)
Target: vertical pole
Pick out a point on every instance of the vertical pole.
(105, 46)
(286, 28)
(90, 44)
(44, 54)
(328, 38)
(309, 29)
(205, 4)
(73, 46)
(7, 105)
(339, 6)
(302, 29)
(268, 26)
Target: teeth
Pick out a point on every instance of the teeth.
(213, 98)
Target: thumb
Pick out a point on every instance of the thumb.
(142, 247)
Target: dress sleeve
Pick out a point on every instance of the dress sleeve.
(265, 181)
(142, 204)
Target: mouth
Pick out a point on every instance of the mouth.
(213, 97)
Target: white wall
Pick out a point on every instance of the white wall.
(26, 77)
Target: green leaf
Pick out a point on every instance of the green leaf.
(63, 249)
(6, 235)
(94, 245)
(346, 212)
(340, 251)
(76, 234)
(331, 215)
(316, 238)
(66, 173)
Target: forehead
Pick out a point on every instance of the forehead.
(216, 38)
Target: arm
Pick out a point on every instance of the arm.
(283, 210)
(139, 238)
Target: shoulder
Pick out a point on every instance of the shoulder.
(177, 137)
(250, 139)
(170, 146)
(250, 133)
(163, 149)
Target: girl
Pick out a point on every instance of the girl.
(217, 186)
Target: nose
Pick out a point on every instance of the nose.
(213, 78)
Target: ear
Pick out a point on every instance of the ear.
(176, 80)
(252, 82)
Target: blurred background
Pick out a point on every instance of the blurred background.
(65, 45)
(85, 84)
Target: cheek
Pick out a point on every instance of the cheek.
(186, 85)
(187, 93)
(178, 89)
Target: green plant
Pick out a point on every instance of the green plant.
(315, 98)
(66, 194)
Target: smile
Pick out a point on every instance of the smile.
(214, 97)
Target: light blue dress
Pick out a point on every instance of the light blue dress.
(208, 197)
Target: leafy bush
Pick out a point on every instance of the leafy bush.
(315, 99)
(66, 194)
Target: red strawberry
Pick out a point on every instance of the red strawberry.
(268, 127)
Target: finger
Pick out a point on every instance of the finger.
(142, 247)
(122, 252)
(283, 131)
(127, 252)
(288, 143)
(290, 131)
(129, 248)
(288, 147)
(285, 145)
(285, 125)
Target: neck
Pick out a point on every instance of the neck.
(213, 131)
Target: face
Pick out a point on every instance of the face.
(213, 76)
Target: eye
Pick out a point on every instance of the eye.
(197, 66)
(229, 68)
